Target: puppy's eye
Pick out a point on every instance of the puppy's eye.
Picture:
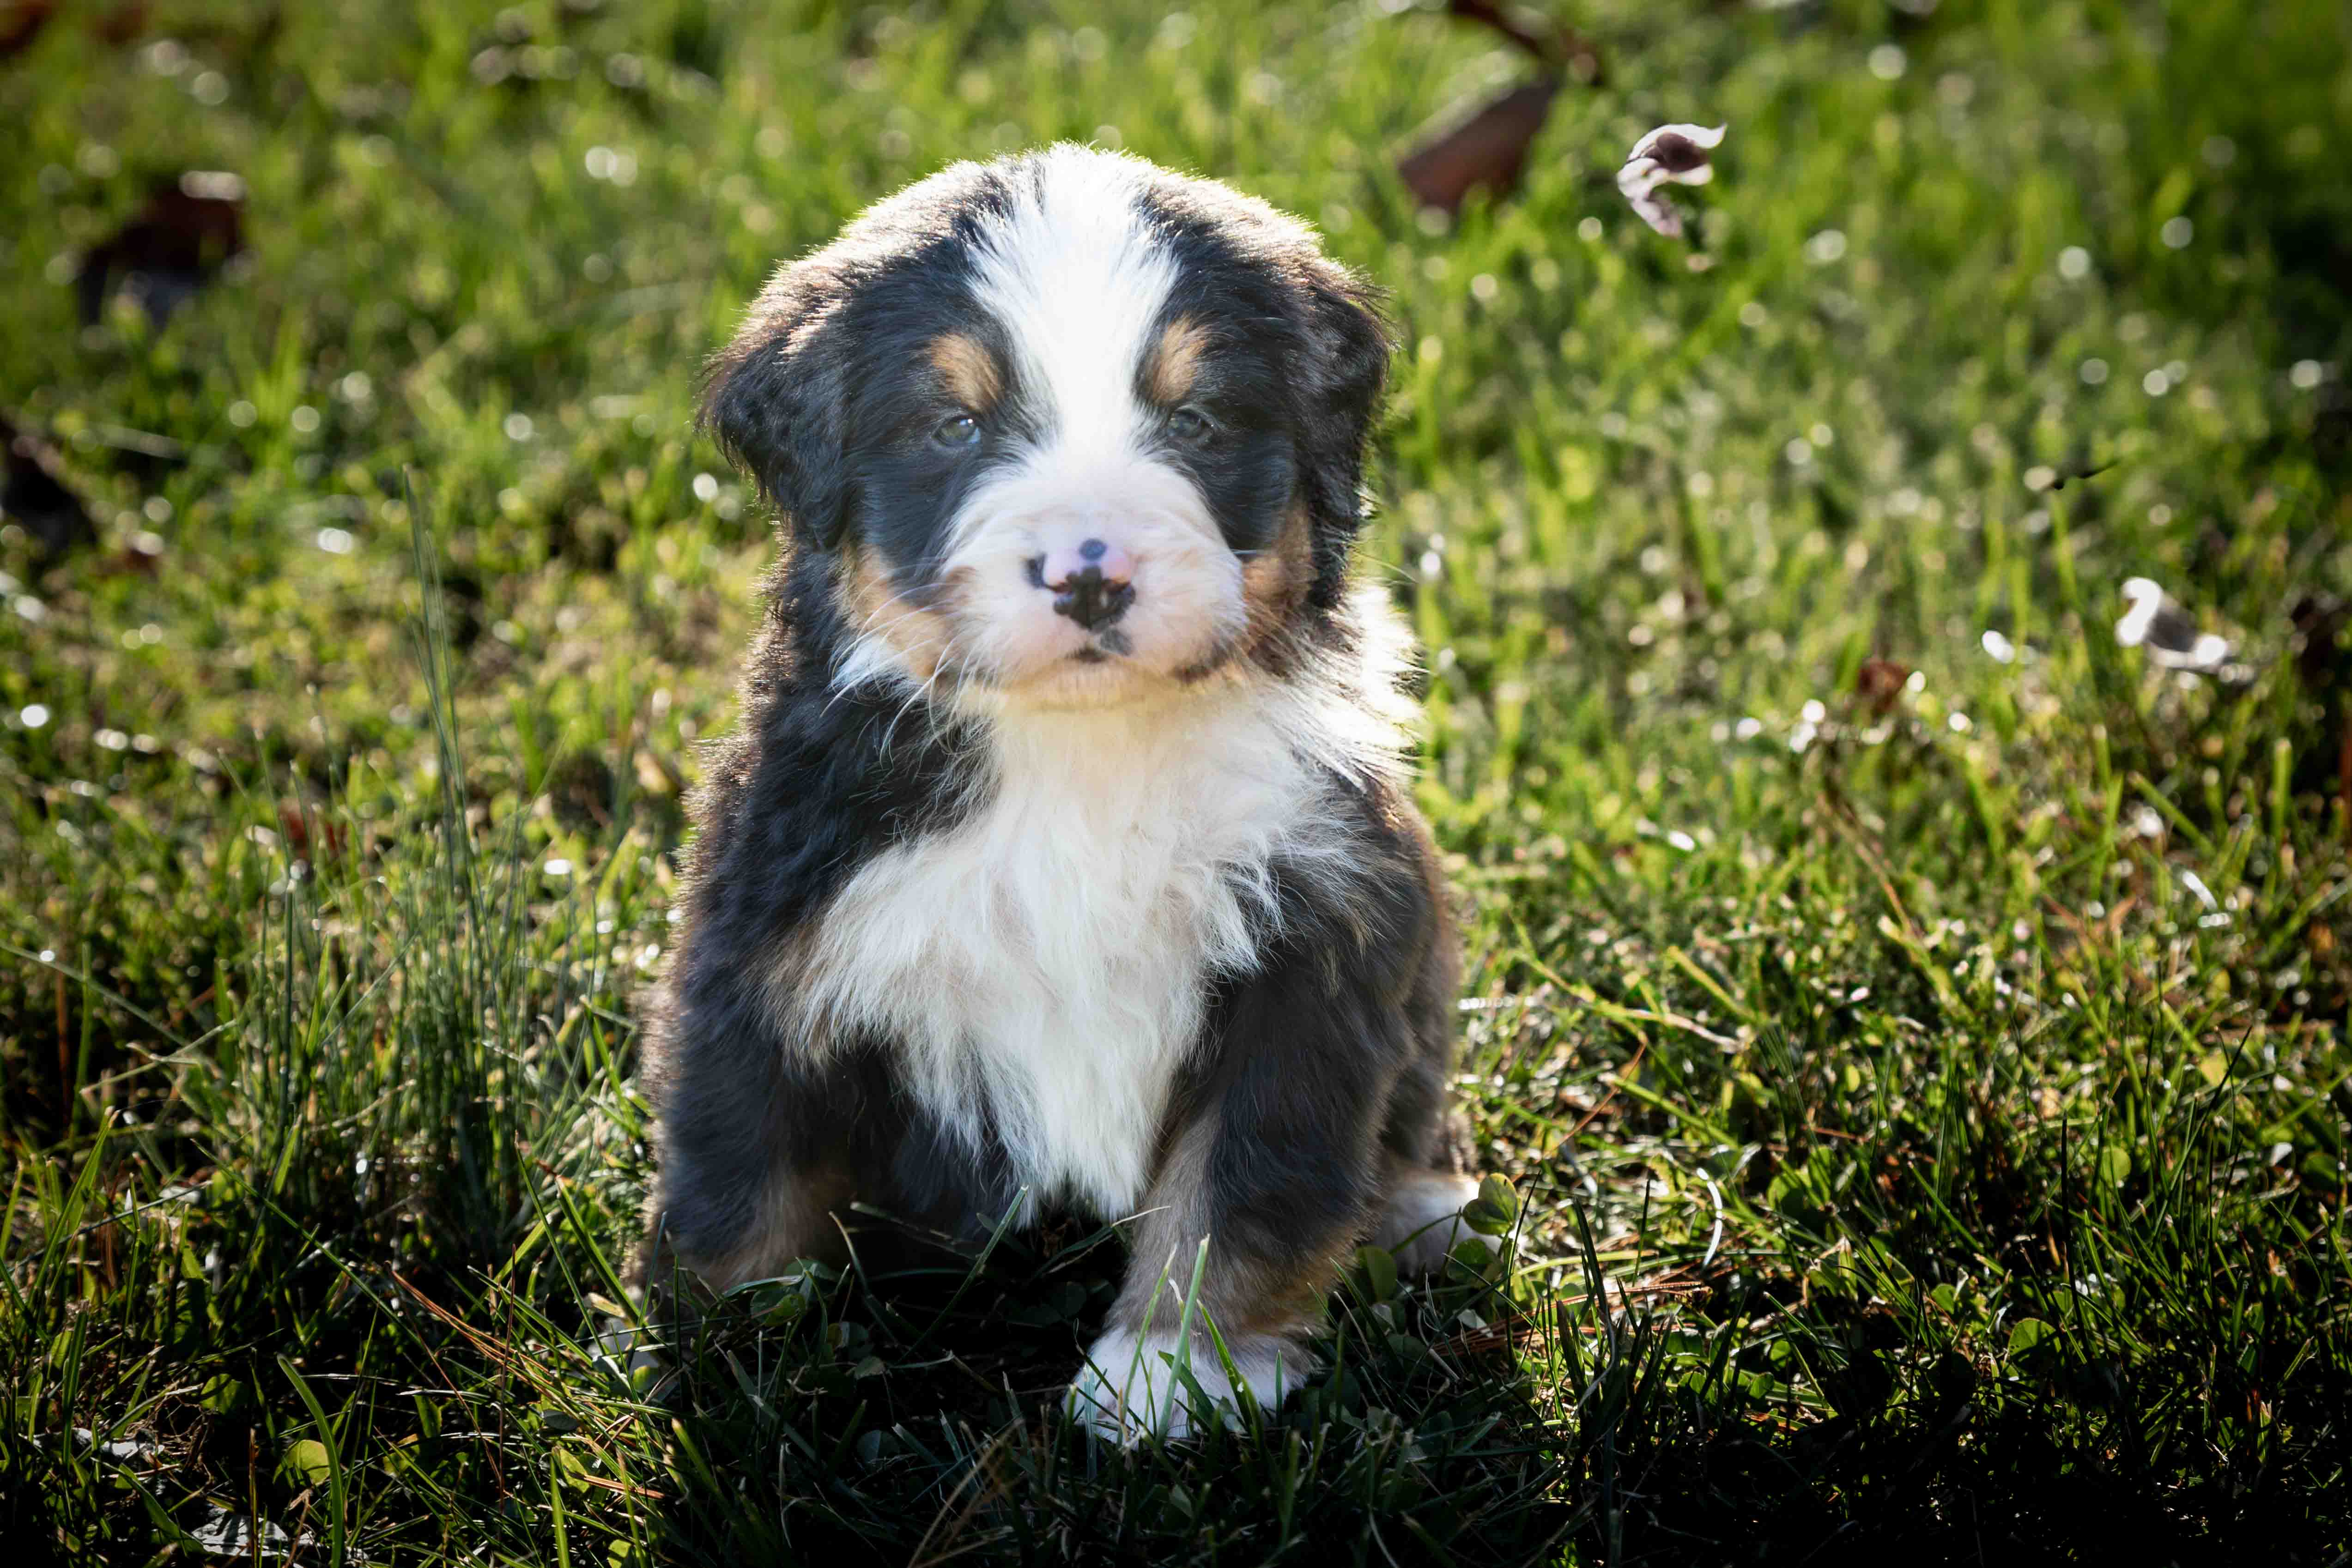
(1191, 426)
(958, 431)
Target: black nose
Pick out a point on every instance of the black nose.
(1092, 600)
(1089, 584)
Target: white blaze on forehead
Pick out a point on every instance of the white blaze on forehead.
(1078, 278)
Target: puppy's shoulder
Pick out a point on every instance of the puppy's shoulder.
(813, 781)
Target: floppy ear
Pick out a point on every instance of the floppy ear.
(1349, 344)
(773, 400)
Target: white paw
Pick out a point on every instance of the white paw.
(1424, 1220)
(1129, 1388)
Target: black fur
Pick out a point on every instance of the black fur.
(810, 786)
(1318, 1063)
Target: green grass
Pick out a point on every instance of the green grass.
(1924, 1072)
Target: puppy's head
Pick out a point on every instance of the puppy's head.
(1069, 429)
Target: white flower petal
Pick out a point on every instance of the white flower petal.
(1671, 154)
(2146, 598)
(1658, 213)
(1660, 142)
(1638, 180)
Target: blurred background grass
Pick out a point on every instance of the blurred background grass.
(1914, 1020)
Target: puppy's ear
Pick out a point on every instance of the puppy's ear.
(774, 401)
(1349, 343)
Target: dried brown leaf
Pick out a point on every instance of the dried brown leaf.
(34, 494)
(1559, 46)
(171, 248)
(1486, 151)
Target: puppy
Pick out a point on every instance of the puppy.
(1063, 857)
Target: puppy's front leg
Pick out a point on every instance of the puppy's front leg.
(1276, 1167)
(753, 1141)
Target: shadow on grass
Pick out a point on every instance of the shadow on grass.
(914, 1414)
(909, 1407)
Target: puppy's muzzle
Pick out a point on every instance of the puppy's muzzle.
(1091, 582)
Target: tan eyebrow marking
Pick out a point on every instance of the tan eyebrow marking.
(969, 369)
(1176, 360)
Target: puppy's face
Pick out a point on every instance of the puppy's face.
(1069, 429)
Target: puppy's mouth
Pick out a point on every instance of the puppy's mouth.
(1106, 645)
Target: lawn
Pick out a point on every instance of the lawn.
(1913, 1017)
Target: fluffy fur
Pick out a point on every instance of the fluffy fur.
(1062, 858)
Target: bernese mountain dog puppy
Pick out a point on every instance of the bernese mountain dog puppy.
(1064, 858)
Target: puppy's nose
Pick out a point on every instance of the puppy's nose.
(1090, 581)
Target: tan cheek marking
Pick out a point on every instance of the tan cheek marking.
(1176, 361)
(1276, 578)
(1274, 583)
(920, 636)
(969, 370)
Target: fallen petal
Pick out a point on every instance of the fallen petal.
(2168, 632)
(1679, 149)
(1676, 154)
(2145, 596)
(2201, 652)
(1656, 211)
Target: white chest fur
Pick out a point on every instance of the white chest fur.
(1044, 962)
